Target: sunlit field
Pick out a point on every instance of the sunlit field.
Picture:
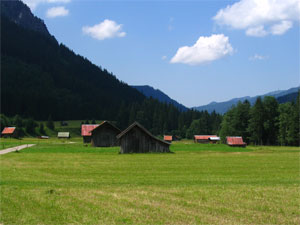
(67, 182)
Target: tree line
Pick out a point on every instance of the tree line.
(265, 123)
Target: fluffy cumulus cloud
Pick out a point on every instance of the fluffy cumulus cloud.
(260, 17)
(104, 30)
(206, 49)
(57, 12)
(32, 4)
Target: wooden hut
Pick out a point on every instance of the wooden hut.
(235, 142)
(9, 132)
(168, 138)
(136, 139)
(63, 135)
(105, 135)
(203, 138)
(214, 140)
(86, 132)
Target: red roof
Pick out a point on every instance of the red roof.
(87, 128)
(168, 138)
(235, 141)
(203, 137)
(8, 130)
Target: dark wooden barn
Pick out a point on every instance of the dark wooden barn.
(203, 138)
(86, 132)
(136, 139)
(105, 135)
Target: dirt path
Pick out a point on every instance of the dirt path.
(8, 150)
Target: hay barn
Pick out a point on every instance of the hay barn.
(235, 141)
(86, 132)
(63, 135)
(9, 132)
(203, 138)
(136, 139)
(105, 135)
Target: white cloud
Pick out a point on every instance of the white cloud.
(281, 28)
(57, 11)
(258, 57)
(104, 30)
(256, 31)
(32, 4)
(253, 15)
(206, 49)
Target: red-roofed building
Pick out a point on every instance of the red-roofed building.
(235, 141)
(168, 138)
(9, 132)
(203, 138)
(86, 132)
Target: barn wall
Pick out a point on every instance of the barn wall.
(137, 141)
(105, 137)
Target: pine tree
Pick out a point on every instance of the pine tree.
(256, 122)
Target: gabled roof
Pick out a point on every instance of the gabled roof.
(136, 124)
(235, 141)
(8, 130)
(103, 124)
(86, 128)
(168, 137)
(63, 134)
(203, 137)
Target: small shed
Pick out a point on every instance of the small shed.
(203, 138)
(214, 140)
(63, 135)
(136, 139)
(9, 132)
(105, 135)
(86, 132)
(168, 138)
(235, 142)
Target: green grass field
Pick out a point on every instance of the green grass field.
(62, 182)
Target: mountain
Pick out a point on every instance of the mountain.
(223, 107)
(19, 13)
(40, 77)
(149, 91)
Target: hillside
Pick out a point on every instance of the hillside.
(223, 107)
(41, 77)
(149, 91)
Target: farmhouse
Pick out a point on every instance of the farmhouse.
(63, 134)
(104, 135)
(86, 132)
(136, 139)
(203, 138)
(9, 132)
(235, 141)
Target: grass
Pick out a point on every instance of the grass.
(57, 182)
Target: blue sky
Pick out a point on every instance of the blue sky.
(194, 51)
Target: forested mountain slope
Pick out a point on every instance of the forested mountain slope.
(41, 77)
(149, 91)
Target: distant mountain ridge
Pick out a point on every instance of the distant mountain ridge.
(19, 13)
(223, 107)
(149, 91)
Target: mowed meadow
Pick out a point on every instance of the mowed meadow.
(67, 182)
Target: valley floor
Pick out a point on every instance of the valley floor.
(62, 182)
